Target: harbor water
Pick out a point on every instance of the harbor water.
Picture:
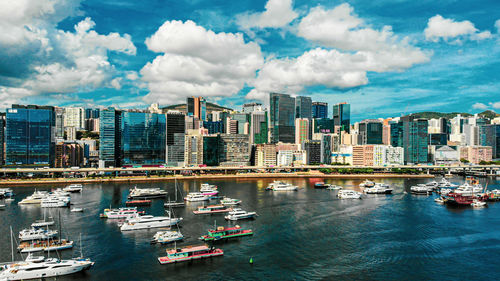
(308, 234)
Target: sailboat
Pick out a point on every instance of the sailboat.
(44, 222)
(175, 203)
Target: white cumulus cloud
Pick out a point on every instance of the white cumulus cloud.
(196, 61)
(479, 105)
(439, 27)
(278, 13)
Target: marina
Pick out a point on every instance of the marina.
(389, 236)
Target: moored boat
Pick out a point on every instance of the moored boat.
(44, 245)
(143, 193)
(240, 214)
(281, 186)
(378, 188)
(334, 187)
(138, 203)
(148, 222)
(321, 185)
(196, 197)
(421, 189)
(367, 183)
(168, 236)
(120, 213)
(190, 253)
(224, 233)
(212, 209)
(349, 194)
(73, 188)
(36, 234)
(226, 201)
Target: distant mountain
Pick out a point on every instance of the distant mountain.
(182, 107)
(434, 115)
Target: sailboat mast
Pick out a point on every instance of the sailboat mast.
(175, 189)
(11, 244)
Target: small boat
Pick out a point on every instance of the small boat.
(175, 203)
(42, 223)
(321, 185)
(54, 202)
(36, 234)
(50, 267)
(138, 203)
(281, 186)
(367, 183)
(44, 245)
(207, 186)
(144, 193)
(212, 209)
(349, 194)
(2, 206)
(76, 210)
(148, 221)
(378, 188)
(165, 237)
(334, 187)
(240, 214)
(439, 200)
(224, 233)
(190, 253)
(6, 192)
(35, 198)
(73, 188)
(478, 204)
(444, 183)
(226, 201)
(208, 189)
(120, 213)
(445, 191)
(195, 197)
(421, 189)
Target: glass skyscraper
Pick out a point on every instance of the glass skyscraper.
(303, 107)
(415, 139)
(30, 136)
(2, 132)
(176, 127)
(143, 138)
(342, 116)
(319, 110)
(211, 150)
(282, 118)
(109, 137)
(370, 132)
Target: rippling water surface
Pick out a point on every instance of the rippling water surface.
(308, 234)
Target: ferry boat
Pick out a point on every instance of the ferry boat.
(349, 194)
(226, 201)
(120, 213)
(190, 253)
(224, 233)
(378, 188)
(240, 214)
(212, 209)
(50, 267)
(36, 234)
(44, 245)
(138, 203)
(168, 236)
(367, 183)
(421, 189)
(281, 186)
(148, 221)
(73, 188)
(195, 197)
(147, 193)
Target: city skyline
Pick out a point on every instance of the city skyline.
(384, 62)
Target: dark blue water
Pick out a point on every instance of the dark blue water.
(304, 235)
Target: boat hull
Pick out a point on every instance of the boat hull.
(215, 253)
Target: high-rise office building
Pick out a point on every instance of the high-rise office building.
(319, 110)
(2, 141)
(282, 111)
(414, 139)
(438, 139)
(109, 138)
(92, 113)
(74, 117)
(313, 151)
(327, 144)
(193, 149)
(59, 115)
(234, 150)
(176, 128)
(197, 106)
(243, 121)
(303, 107)
(489, 135)
(301, 130)
(214, 127)
(143, 138)
(211, 150)
(258, 127)
(342, 116)
(29, 135)
(370, 132)
(323, 125)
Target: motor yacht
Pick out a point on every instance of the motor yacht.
(226, 201)
(367, 183)
(240, 214)
(147, 193)
(148, 221)
(378, 188)
(196, 196)
(120, 213)
(50, 267)
(168, 236)
(73, 188)
(281, 186)
(349, 194)
(36, 234)
(421, 189)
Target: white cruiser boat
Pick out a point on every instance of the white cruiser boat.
(6, 192)
(50, 267)
(59, 192)
(226, 201)
(367, 183)
(334, 187)
(379, 188)
(445, 191)
(54, 202)
(168, 236)
(148, 221)
(73, 188)
(35, 198)
(349, 194)
(281, 186)
(478, 204)
(196, 196)
(468, 190)
(147, 193)
(120, 213)
(444, 183)
(421, 189)
(36, 234)
(206, 186)
(42, 223)
(433, 184)
(240, 214)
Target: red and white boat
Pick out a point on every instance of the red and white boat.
(208, 189)
(190, 253)
(212, 209)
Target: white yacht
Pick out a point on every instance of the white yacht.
(6, 192)
(147, 193)
(478, 204)
(378, 188)
(349, 194)
(281, 186)
(367, 183)
(59, 192)
(421, 189)
(42, 223)
(226, 201)
(36, 234)
(444, 183)
(35, 198)
(120, 213)
(73, 188)
(148, 221)
(433, 184)
(467, 189)
(206, 186)
(240, 214)
(50, 267)
(54, 202)
(445, 191)
(196, 196)
(334, 187)
(168, 236)
(45, 245)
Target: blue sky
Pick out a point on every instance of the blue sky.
(384, 57)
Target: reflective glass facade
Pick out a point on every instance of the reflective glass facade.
(30, 136)
(370, 133)
(109, 137)
(319, 110)
(303, 107)
(342, 116)
(143, 138)
(325, 126)
(282, 118)
(211, 150)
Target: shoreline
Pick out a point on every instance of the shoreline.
(236, 176)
